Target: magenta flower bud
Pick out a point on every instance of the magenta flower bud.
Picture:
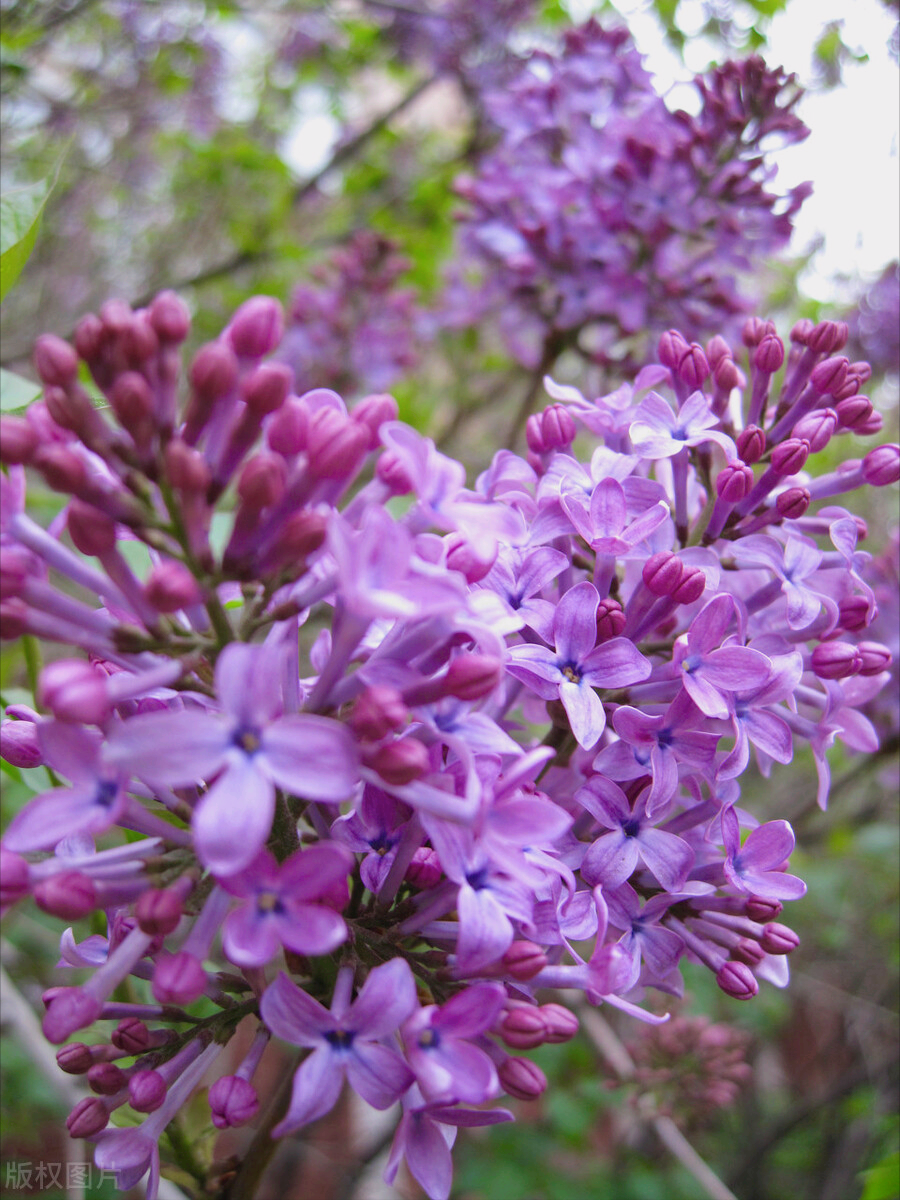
(69, 895)
(726, 374)
(186, 468)
(13, 877)
(262, 481)
(132, 1036)
(13, 619)
(754, 330)
(473, 676)
(105, 1078)
(792, 503)
(854, 613)
(751, 444)
(801, 331)
(68, 1009)
(734, 482)
(836, 660)
(769, 354)
(266, 389)
(523, 1027)
(778, 939)
(551, 429)
(828, 336)
(610, 619)
(762, 910)
(257, 327)
(881, 466)
(854, 411)
(691, 587)
(662, 573)
(158, 911)
(19, 744)
(737, 981)
(55, 360)
(562, 1025)
(169, 317)
(116, 315)
(693, 367)
(16, 564)
(18, 441)
(146, 1091)
(336, 445)
(92, 531)
(816, 428)
(74, 690)
(717, 349)
(63, 470)
(233, 1102)
(392, 472)
(74, 1058)
(874, 423)
(132, 401)
(748, 952)
(374, 411)
(287, 432)
(88, 1117)
(828, 376)
(789, 457)
(424, 871)
(170, 586)
(462, 556)
(89, 337)
(213, 372)
(875, 658)
(301, 534)
(672, 347)
(521, 1078)
(178, 979)
(523, 960)
(378, 711)
(400, 762)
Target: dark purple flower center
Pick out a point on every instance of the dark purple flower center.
(692, 662)
(477, 879)
(571, 673)
(664, 738)
(246, 739)
(340, 1039)
(382, 843)
(429, 1039)
(106, 793)
(631, 827)
(267, 902)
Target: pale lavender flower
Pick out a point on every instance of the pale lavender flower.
(440, 1050)
(753, 867)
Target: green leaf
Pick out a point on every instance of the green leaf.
(15, 392)
(20, 217)
(883, 1180)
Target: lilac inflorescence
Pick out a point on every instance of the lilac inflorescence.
(411, 755)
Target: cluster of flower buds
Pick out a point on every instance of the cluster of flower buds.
(411, 756)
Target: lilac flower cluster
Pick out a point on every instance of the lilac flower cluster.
(599, 214)
(411, 756)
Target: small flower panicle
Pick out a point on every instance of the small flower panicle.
(310, 715)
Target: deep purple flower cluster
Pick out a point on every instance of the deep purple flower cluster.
(409, 755)
(599, 214)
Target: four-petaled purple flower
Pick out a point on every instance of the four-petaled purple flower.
(711, 671)
(754, 867)
(447, 1065)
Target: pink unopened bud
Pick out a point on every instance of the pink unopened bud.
(74, 690)
(186, 468)
(13, 619)
(521, 1078)
(400, 762)
(827, 337)
(214, 371)
(693, 367)
(262, 481)
(523, 960)
(754, 330)
(88, 1117)
(610, 619)
(552, 429)
(473, 562)
(424, 871)
(373, 412)
(662, 573)
(562, 1025)
(769, 354)
(717, 349)
(875, 658)
(302, 534)
(63, 470)
(748, 952)
(178, 979)
(18, 441)
(523, 1027)
(55, 360)
(89, 337)
(69, 895)
(761, 910)
(286, 433)
(751, 444)
(336, 445)
(854, 613)
(779, 939)
(836, 660)
(132, 401)
(75, 1058)
(92, 531)
(734, 482)
(881, 466)
(816, 428)
(473, 676)
(874, 423)
(233, 1102)
(801, 331)
(854, 411)
(671, 349)
(737, 981)
(146, 1091)
(132, 1035)
(792, 503)
(170, 586)
(257, 327)
(266, 389)
(19, 744)
(169, 317)
(691, 587)
(158, 911)
(13, 877)
(68, 1010)
(828, 376)
(105, 1078)
(727, 375)
(790, 456)
(394, 474)
(378, 711)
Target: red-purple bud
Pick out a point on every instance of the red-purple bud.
(233, 1102)
(737, 981)
(521, 1078)
(873, 424)
(18, 441)
(132, 1036)
(170, 586)
(792, 503)
(816, 428)
(373, 412)
(828, 336)
(301, 534)
(854, 613)
(105, 1078)
(88, 1117)
(257, 327)
(69, 895)
(470, 561)
(754, 330)
(19, 744)
(727, 375)
(778, 939)
(400, 762)
(769, 354)
(854, 411)
(610, 619)
(828, 376)
(662, 573)
(186, 468)
(836, 660)
(790, 456)
(378, 711)
(523, 1027)
(671, 349)
(89, 337)
(762, 909)
(13, 619)
(748, 952)
(74, 690)
(74, 1058)
(561, 1023)
(875, 658)
(132, 401)
(801, 331)
(91, 531)
(63, 470)
(287, 432)
(169, 317)
(146, 1091)
(55, 360)
(178, 979)
(881, 466)
(262, 481)
(751, 444)
(734, 482)
(336, 445)
(13, 877)
(266, 389)
(552, 429)
(691, 587)
(392, 471)
(213, 372)
(523, 960)
(424, 871)
(693, 367)
(68, 1009)
(473, 676)
(717, 349)
(158, 911)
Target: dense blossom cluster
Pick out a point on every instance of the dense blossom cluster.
(601, 213)
(409, 755)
